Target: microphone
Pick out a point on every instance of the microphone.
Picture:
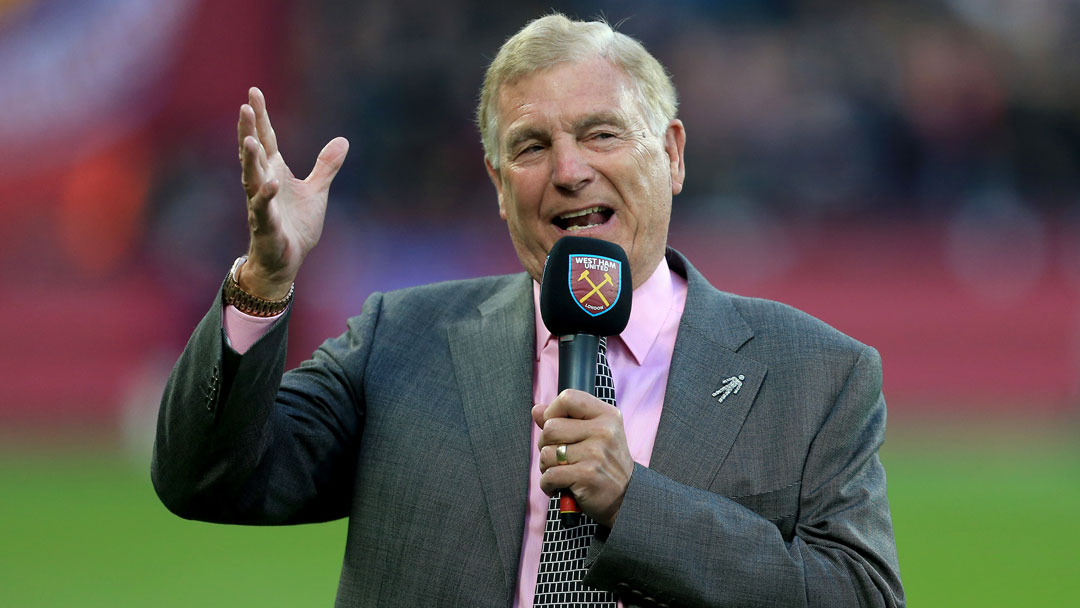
(585, 293)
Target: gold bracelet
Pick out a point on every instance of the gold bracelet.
(251, 304)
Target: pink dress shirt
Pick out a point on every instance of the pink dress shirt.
(639, 360)
(242, 331)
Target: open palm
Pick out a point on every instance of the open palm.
(285, 214)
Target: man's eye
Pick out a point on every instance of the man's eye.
(530, 149)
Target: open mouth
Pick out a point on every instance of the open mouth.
(586, 218)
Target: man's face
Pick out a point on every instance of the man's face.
(577, 158)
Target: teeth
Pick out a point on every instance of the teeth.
(574, 228)
(567, 216)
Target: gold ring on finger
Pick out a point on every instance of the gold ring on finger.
(560, 454)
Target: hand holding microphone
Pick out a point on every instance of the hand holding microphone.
(585, 293)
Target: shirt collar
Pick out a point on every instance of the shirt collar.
(651, 303)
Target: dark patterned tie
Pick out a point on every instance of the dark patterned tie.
(562, 560)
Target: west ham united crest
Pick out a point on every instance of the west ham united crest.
(595, 282)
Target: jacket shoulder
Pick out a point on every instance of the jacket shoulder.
(770, 326)
(447, 301)
(776, 324)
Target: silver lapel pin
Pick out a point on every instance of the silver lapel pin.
(730, 387)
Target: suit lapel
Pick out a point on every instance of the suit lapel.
(493, 356)
(696, 430)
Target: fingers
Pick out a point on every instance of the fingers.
(570, 404)
(566, 430)
(592, 449)
(577, 477)
(573, 403)
(558, 420)
(245, 127)
(254, 123)
(253, 165)
(328, 163)
(259, 215)
(597, 477)
(597, 464)
(574, 452)
(598, 426)
(262, 121)
(538, 414)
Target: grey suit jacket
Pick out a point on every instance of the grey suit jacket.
(415, 424)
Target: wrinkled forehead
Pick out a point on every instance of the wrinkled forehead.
(568, 93)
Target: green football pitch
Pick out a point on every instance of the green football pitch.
(990, 520)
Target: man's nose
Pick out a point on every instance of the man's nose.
(571, 169)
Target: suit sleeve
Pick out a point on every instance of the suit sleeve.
(682, 546)
(239, 441)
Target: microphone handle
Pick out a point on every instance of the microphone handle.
(577, 370)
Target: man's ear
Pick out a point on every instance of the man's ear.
(674, 143)
(496, 180)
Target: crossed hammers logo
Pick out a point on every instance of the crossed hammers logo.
(595, 288)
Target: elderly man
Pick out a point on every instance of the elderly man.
(739, 467)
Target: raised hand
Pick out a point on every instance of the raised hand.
(285, 214)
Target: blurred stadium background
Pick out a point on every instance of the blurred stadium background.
(908, 171)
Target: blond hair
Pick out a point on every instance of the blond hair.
(554, 39)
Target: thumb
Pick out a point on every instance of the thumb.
(328, 163)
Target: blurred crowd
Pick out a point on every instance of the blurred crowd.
(798, 111)
(815, 108)
(118, 156)
(809, 111)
